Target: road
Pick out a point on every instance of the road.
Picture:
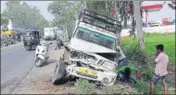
(16, 62)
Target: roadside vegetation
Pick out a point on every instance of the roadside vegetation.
(151, 40)
(138, 57)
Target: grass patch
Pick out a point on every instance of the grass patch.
(84, 87)
(144, 58)
(137, 57)
(151, 40)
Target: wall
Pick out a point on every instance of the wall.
(159, 29)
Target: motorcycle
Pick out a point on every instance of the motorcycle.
(59, 44)
(41, 53)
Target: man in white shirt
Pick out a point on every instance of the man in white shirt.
(161, 61)
(122, 58)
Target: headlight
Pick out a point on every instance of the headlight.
(109, 65)
(91, 59)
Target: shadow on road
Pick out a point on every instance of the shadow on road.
(50, 61)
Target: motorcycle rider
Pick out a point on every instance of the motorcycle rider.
(59, 43)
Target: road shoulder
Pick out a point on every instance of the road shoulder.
(38, 80)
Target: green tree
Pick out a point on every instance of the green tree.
(24, 16)
(4, 21)
(65, 14)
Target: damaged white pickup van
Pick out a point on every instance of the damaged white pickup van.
(91, 53)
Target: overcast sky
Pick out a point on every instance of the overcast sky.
(165, 12)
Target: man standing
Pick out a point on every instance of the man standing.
(122, 57)
(161, 60)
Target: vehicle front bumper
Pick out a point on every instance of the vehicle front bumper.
(100, 76)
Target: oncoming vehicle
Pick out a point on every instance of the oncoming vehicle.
(31, 39)
(49, 33)
(91, 53)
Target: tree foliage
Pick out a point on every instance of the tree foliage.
(4, 21)
(24, 16)
(65, 14)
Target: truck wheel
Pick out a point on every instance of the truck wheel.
(6, 44)
(39, 62)
(59, 73)
(27, 48)
(30, 47)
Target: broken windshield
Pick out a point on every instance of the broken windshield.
(96, 38)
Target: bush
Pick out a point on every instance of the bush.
(84, 87)
(135, 53)
(142, 86)
(159, 89)
(119, 89)
(137, 57)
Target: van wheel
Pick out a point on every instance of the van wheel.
(59, 74)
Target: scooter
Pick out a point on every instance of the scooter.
(41, 53)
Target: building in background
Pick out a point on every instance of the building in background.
(150, 8)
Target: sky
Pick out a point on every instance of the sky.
(165, 12)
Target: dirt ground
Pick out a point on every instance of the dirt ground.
(38, 80)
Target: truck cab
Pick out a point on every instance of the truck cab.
(91, 52)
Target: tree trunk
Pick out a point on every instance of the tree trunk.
(85, 4)
(138, 18)
(106, 6)
(117, 18)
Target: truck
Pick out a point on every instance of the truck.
(59, 33)
(49, 33)
(91, 53)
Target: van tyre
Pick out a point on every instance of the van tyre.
(59, 74)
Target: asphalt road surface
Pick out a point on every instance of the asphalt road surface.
(16, 62)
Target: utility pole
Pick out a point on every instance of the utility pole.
(138, 18)
(85, 4)
(117, 18)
